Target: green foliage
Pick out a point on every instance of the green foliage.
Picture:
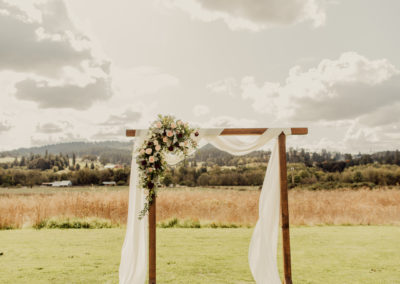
(18, 177)
(165, 135)
(75, 223)
(189, 223)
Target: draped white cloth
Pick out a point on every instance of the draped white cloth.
(264, 242)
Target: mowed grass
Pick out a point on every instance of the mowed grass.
(327, 254)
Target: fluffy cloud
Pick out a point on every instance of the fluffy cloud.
(142, 80)
(64, 96)
(228, 121)
(37, 45)
(57, 64)
(4, 126)
(253, 14)
(226, 86)
(200, 110)
(345, 88)
(109, 134)
(129, 116)
(53, 127)
(45, 139)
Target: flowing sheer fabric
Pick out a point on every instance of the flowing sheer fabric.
(134, 255)
(263, 245)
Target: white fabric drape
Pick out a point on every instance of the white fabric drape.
(263, 245)
(134, 255)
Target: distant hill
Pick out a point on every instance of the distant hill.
(121, 152)
(79, 148)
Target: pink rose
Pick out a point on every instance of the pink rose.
(149, 151)
(151, 159)
(155, 142)
(158, 124)
(158, 148)
(150, 170)
(173, 125)
(165, 139)
(170, 133)
(180, 122)
(141, 152)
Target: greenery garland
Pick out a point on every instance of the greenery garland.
(166, 135)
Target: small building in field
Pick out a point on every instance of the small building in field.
(109, 183)
(63, 183)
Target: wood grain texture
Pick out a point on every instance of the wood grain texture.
(240, 131)
(287, 269)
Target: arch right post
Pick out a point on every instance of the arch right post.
(287, 268)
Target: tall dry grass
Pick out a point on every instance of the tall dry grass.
(358, 207)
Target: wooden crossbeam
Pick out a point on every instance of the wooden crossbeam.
(284, 201)
(240, 131)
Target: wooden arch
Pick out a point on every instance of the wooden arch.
(287, 268)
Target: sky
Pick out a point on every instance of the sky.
(87, 70)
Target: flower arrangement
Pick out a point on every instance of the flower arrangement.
(166, 135)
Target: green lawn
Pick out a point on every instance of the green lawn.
(348, 254)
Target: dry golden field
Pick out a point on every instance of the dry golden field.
(333, 207)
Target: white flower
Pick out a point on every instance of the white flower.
(181, 144)
(165, 139)
(141, 151)
(158, 148)
(155, 142)
(173, 125)
(151, 159)
(180, 122)
(170, 133)
(158, 124)
(149, 151)
(186, 143)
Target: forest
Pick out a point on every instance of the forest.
(210, 167)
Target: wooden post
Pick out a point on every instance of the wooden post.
(285, 210)
(152, 242)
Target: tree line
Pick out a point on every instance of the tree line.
(299, 175)
(86, 176)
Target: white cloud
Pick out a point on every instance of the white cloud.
(229, 121)
(127, 117)
(64, 96)
(50, 56)
(142, 80)
(226, 86)
(344, 88)
(4, 126)
(253, 15)
(53, 127)
(200, 110)
(385, 115)
(111, 133)
(46, 139)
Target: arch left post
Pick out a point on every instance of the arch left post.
(152, 241)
